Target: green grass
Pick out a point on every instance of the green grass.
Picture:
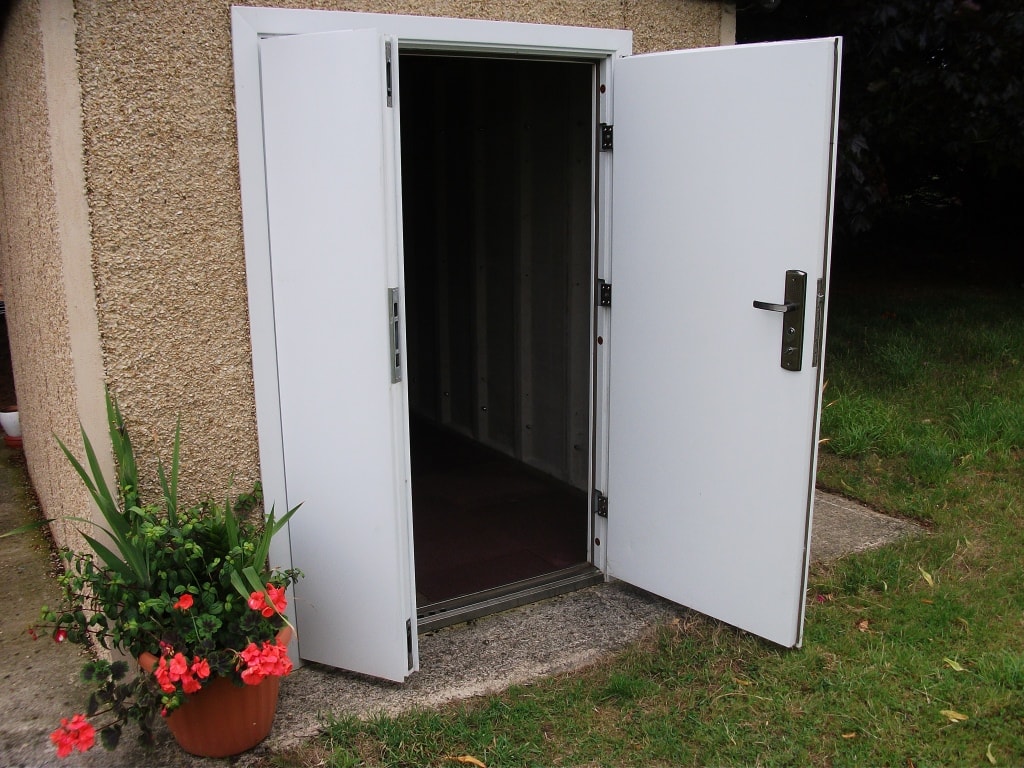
(925, 419)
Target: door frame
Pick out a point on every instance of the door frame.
(249, 25)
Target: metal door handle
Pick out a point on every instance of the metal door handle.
(792, 311)
(774, 307)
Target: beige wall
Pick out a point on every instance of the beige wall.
(161, 174)
(44, 248)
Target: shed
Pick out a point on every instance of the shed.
(508, 308)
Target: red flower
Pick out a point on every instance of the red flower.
(60, 635)
(270, 603)
(277, 597)
(178, 670)
(184, 602)
(270, 660)
(200, 668)
(74, 734)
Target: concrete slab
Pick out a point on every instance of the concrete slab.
(559, 635)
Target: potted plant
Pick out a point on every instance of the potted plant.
(186, 591)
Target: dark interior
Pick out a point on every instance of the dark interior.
(497, 159)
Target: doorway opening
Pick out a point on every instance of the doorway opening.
(497, 197)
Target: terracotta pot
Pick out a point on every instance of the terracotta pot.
(224, 719)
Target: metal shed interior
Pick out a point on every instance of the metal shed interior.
(497, 193)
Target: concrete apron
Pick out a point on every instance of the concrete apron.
(555, 636)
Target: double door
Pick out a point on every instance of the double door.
(712, 199)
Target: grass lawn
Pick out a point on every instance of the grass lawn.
(913, 655)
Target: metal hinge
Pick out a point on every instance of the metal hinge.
(387, 68)
(819, 322)
(604, 294)
(395, 335)
(600, 504)
(606, 137)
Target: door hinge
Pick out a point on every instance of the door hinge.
(604, 293)
(819, 322)
(408, 640)
(395, 335)
(606, 137)
(600, 504)
(387, 69)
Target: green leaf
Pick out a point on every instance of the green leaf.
(26, 528)
(110, 736)
(170, 486)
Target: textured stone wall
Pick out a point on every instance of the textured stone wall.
(159, 285)
(162, 172)
(32, 269)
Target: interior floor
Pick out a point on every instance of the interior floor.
(482, 520)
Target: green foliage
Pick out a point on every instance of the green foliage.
(175, 580)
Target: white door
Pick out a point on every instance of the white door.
(722, 183)
(332, 199)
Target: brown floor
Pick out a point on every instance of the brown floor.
(482, 520)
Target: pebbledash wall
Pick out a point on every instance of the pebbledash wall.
(121, 255)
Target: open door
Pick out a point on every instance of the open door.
(332, 203)
(722, 195)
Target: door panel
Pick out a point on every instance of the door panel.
(722, 183)
(343, 421)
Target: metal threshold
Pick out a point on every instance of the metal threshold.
(466, 607)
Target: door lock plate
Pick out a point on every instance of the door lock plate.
(792, 311)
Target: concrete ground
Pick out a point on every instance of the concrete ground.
(40, 678)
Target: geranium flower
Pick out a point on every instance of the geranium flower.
(268, 660)
(184, 602)
(73, 734)
(169, 673)
(273, 601)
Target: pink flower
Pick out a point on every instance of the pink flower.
(74, 734)
(184, 602)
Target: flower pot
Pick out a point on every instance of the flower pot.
(10, 422)
(224, 719)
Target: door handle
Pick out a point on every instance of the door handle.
(792, 311)
(774, 307)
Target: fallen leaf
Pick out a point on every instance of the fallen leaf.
(928, 602)
(927, 576)
(741, 681)
(849, 735)
(988, 754)
(953, 716)
(952, 664)
(863, 625)
(470, 760)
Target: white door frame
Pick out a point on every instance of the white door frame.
(602, 46)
